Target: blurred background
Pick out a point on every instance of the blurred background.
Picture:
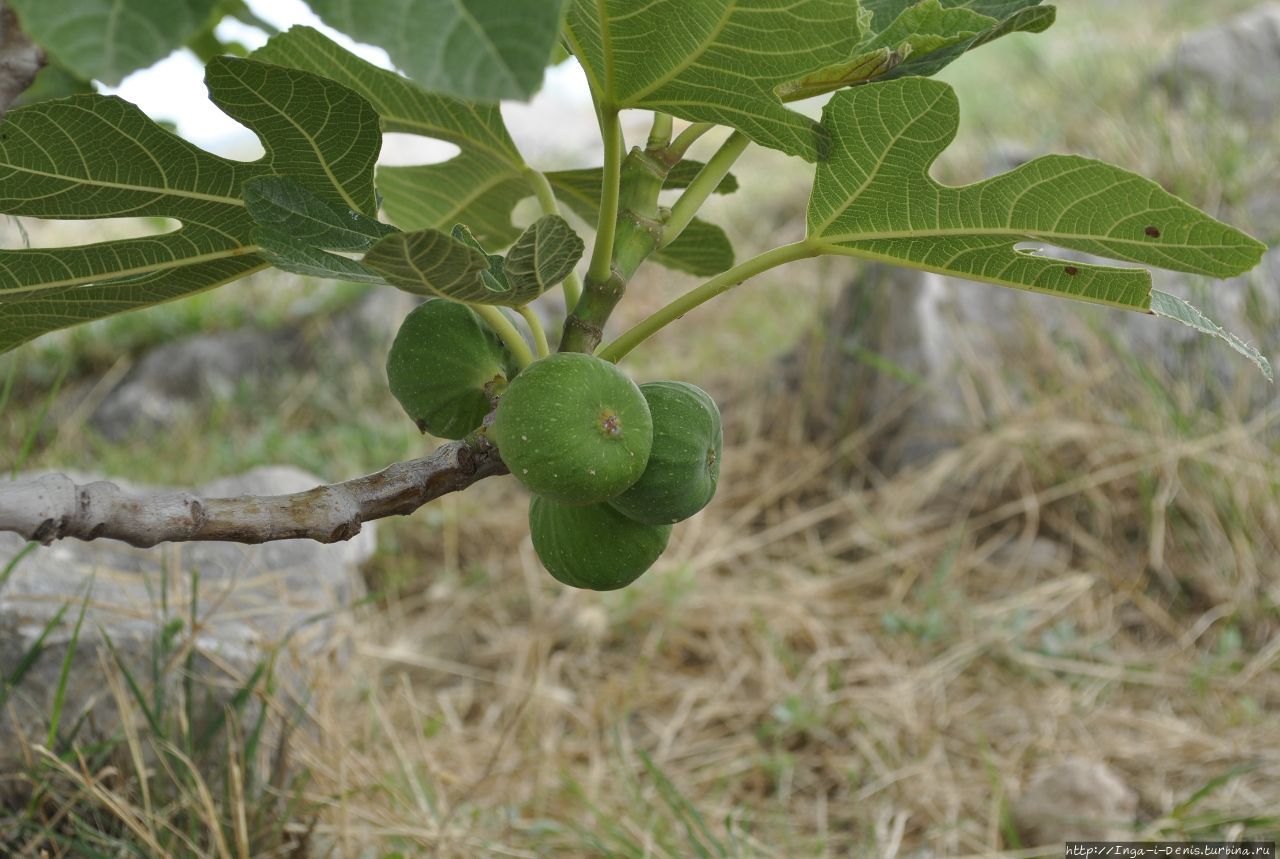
(984, 569)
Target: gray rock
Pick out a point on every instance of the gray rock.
(181, 379)
(1237, 63)
(1263, 213)
(915, 347)
(170, 382)
(1077, 800)
(284, 604)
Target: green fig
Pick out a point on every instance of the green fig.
(446, 367)
(593, 546)
(573, 428)
(684, 465)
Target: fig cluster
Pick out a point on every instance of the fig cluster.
(612, 465)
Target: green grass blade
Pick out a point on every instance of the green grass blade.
(9, 378)
(689, 817)
(1212, 786)
(134, 688)
(236, 704)
(29, 658)
(60, 695)
(29, 440)
(14, 561)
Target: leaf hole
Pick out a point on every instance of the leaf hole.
(409, 150)
(53, 233)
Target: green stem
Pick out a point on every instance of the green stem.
(543, 191)
(660, 135)
(702, 186)
(722, 282)
(602, 253)
(511, 336)
(637, 230)
(629, 219)
(536, 329)
(685, 139)
(572, 291)
(546, 196)
(244, 14)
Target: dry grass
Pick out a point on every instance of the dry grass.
(828, 662)
(832, 662)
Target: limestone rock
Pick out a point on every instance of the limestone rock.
(171, 381)
(1236, 62)
(914, 348)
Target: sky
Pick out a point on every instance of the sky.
(168, 91)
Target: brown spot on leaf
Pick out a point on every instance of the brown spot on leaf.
(1072, 270)
(1152, 231)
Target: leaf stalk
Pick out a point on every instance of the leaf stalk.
(507, 332)
(610, 190)
(686, 138)
(721, 283)
(703, 186)
(547, 203)
(535, 328)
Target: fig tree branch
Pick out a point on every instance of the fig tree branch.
(52, 506)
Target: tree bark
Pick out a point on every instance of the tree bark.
(20, 59)
(52, 506)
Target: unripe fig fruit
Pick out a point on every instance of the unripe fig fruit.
(446, 367)
(574, 429)
(593, 546)
(684, 465)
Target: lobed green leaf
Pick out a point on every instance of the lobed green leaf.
(920, 37)
(285, 205)
(431, 262)
(543, 256)
(478, 187)
(289, 254)
(106, 39)
(456, 266)
(703, 249)
(479, 50)
(94, 156)
(718, 61)
(874, 198)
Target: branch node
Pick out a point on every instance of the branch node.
(345, 531)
